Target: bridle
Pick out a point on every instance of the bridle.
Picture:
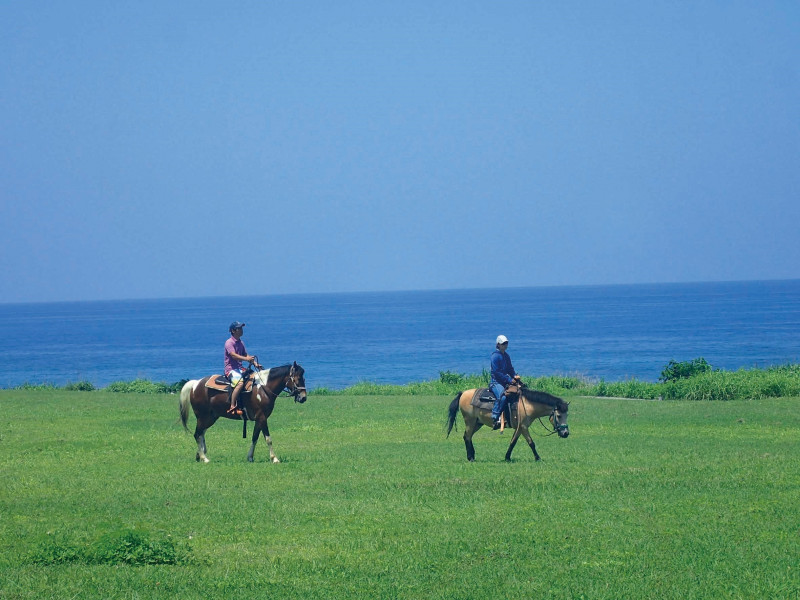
(557, 427)
(295, 390)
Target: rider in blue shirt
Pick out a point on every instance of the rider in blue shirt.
(503, 375)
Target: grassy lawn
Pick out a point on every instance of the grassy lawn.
(645, 499)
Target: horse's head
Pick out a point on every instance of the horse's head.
(296, 383)
(559, 419)
(288, 378)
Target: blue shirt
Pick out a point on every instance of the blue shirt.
(502, 370)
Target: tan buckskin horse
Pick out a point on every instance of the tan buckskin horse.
(210, 404)
(532, 405)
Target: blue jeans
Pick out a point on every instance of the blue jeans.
(500, 402)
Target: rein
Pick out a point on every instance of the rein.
(550, 432)
(552, 416)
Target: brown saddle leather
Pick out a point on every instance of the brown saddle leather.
(221, 383)
(483, 398)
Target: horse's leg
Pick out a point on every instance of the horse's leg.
(268, 439)
(256, 433)
(470, 427)
(204, 422)
(514, 422)
(200, 438)
(529, 439)
(513, 443)
(262, 427)
(472, 422)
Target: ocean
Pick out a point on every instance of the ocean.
(612, 332)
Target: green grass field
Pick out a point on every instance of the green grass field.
(645, 499)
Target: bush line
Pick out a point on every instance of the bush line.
(744, 384)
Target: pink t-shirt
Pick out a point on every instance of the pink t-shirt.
(237, 347)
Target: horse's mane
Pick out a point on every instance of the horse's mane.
(283, 370)
(545, 398)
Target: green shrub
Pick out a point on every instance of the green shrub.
(129, 547)
(137, 548)
(138, 386)
(80, 386)
(450, 378)
(601, 389)
(36, 386)
(556, 384)
(58, 550)
(683, 370)
(322, 391)
(176, 387)
(744, 384)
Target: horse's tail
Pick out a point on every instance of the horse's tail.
(452, 412)
(186, 397)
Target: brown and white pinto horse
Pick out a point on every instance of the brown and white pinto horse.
(532, 405)
(209, 404)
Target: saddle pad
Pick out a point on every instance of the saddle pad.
(220, 382)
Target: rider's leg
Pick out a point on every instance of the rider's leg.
(499, 403)
(235, 395)
(236, 381)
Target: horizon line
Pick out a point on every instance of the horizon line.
(398, 291)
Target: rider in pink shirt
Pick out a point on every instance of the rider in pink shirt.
(235, 353)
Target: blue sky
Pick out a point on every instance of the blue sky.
(154, 149)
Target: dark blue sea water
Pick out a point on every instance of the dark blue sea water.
(613, 332)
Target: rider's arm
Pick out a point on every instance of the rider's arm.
(511, 372)
(229, 350)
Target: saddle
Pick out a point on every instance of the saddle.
(484, 399)
(223, 384)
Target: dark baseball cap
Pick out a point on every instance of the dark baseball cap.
(235, 325)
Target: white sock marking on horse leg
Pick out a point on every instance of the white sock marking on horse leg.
(272, 456)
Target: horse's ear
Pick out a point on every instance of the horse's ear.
(295, 364)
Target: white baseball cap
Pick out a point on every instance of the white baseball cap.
(501, 339)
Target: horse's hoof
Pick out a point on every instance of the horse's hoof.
(275, 460)
(250, 459)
